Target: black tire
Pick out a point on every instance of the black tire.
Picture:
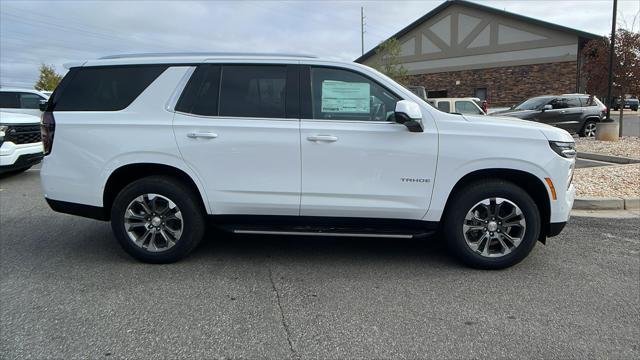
(634, 109)
(586, 129)
(465, 199)
(189, 204)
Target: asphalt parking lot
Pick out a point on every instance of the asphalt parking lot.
(68, 291)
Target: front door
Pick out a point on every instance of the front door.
(236, 132)
(562, 114)
(356, 161)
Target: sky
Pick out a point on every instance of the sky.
(58, 32)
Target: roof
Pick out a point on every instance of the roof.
(27, 90)
(206, 55)
(186, 58)
(485, 8)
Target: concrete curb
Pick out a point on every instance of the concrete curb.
(598, 203)
(607, 158)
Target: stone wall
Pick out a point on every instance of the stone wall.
(505, 86)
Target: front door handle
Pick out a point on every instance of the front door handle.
(323, 138)
(202, 134)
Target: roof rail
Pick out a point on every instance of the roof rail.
(184, 54)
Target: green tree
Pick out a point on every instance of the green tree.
(48, 80)
(388, 62)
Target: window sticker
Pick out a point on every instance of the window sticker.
(345, 97)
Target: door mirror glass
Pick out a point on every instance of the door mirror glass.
(408, 113)
(547, 107)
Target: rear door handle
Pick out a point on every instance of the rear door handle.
(323, 138)
(202, 134)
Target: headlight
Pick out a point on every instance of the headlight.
(3, 128)
(564, 149)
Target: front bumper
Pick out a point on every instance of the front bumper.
(20, 155)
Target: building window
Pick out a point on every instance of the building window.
(434, 94)
(481, 93)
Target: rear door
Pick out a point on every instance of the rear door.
(237, 127)
(563, 114)
(356, 161)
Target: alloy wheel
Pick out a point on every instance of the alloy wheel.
(494, 227)
(590, 130)
(153, 222)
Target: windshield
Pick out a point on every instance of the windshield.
(533, 103)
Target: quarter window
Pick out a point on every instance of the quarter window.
(200, 96)
(338, 94)
(109, 88)
(253, 91)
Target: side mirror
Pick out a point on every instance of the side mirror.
(547, 107)
(42, 105)
(408, 113)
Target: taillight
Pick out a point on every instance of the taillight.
(47, 129)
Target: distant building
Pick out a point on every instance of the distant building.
(463, 49)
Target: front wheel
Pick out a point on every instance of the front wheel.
(589, 129)
(491, 224)
(157, 219)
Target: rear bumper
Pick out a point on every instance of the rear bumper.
(88, 211)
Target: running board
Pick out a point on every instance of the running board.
(324, 233)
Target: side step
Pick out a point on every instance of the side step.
(333, 233)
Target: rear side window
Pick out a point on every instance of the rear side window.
(110, 88)
(200, 96)
(9, 100)
(444, 106)
(253, 91)
(573, 102)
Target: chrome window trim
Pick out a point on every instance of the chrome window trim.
(217, 117)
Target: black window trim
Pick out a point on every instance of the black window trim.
(292, 74)
(306, 112)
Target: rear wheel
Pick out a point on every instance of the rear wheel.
(588, 129)
(157, 219)
(491, 224)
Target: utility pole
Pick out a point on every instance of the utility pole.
(362, 30)
(611, 59)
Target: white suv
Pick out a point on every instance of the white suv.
(294, 145)
(20, 143)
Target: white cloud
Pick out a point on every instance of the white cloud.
(56, 32)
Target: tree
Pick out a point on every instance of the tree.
(388, 53)
(48, 80)
(626, 65)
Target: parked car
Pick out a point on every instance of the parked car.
(576, 113)
(420, 91)
(471, 106)
(20, 143)
(294, 145)
(628, 104)
(23, 101)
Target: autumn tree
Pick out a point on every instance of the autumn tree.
(388, 62)
(626, 65)
(48, 80)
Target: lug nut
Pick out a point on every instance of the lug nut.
(491, 233)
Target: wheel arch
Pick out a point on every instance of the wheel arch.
(530, 183)
(126, 174)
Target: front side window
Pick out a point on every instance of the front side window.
(559, 103)
(338, 94)
(9, 100)
(253, 91)
(467, 107)
(29, 101)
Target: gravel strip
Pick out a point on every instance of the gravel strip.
(608, 181)
(627, 146)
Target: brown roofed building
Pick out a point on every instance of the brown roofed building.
(463, 49)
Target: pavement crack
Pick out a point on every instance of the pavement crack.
(282, 318)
